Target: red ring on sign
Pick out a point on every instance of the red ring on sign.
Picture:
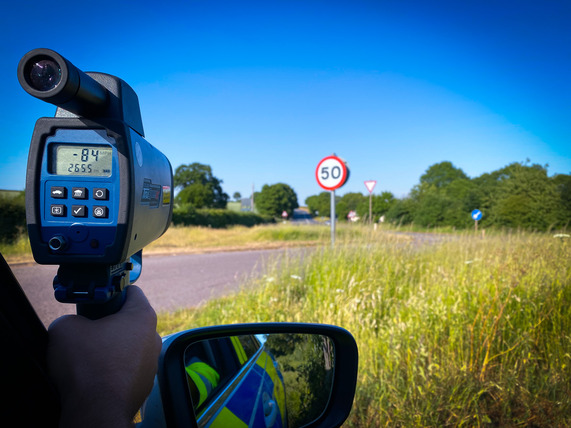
(343, 173)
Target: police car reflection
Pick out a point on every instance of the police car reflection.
(235, 381)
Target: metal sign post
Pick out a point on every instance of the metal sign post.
(370, 185)
(333, 218)
(331, 173)
(476, 216)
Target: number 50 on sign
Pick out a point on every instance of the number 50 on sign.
(331, 173)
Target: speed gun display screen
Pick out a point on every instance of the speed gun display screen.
(80, 160)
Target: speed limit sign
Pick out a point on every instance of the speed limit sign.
(331, 173)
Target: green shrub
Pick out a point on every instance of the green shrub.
(12, 217)
(187, 215)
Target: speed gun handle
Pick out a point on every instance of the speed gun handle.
(94, 311)
(97, 290)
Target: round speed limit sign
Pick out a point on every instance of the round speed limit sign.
(331, 173)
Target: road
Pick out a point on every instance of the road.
(302, 217)
(170, 281)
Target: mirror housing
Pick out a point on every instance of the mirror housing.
(170, 403)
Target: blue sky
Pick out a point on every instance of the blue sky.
(262, 91)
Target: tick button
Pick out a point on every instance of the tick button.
(78, 211)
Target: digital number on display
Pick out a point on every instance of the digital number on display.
(93, 161)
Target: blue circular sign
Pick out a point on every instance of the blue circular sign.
(477, 215)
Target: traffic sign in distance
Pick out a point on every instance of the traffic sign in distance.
(331, 173)
(476, 215)
(370, 185)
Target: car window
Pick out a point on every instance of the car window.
(218, 369)
(209, 366)
(250, 345)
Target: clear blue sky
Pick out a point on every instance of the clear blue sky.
(262, 91)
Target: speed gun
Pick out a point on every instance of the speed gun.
(96, 191)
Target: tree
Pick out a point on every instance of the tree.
(305, 361)
(431, 208)
(275, 199)
(237, 196)
(320, 204)
(402, 211)
(563, 183)
(12, 217)
(444, 197)
(349, 202)
(199, 187)
(528, 199)
(442, 174)
(380, 205)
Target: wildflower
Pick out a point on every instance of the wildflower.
(296, 277)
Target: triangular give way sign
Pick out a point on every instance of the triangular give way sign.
(370, 185)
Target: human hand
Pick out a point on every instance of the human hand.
(104, 369)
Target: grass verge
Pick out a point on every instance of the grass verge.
(17, 251)
(196, 239)
(193, 239)
(464, 332)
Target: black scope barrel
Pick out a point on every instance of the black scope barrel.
(47, 75)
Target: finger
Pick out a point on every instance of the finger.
(136, 300)
(64, 319)
(137, 307)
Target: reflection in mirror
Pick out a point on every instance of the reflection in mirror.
(266, 380)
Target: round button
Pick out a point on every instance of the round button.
(78, 232)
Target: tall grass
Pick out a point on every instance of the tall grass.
(200, 239)
(465, 332)
(189, 238)
(18, 249)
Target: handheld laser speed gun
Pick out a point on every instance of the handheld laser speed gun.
(96, 191)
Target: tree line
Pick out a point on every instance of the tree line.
(200, 201)
(519, 195)
(200, 189)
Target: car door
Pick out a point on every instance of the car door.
(254, 397)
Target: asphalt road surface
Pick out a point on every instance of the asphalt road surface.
(302, 217)
(170, 282)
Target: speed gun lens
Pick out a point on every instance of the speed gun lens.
(43, 73)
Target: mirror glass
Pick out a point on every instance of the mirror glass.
(263, 380)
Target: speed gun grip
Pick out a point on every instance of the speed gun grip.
(95, 311)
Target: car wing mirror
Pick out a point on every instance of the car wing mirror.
(266, 375)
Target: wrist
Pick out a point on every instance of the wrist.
(92, 411)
